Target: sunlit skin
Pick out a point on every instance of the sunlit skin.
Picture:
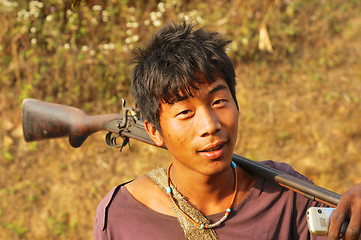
(200, 132)
(349, 205)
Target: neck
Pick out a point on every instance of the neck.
(210, 194)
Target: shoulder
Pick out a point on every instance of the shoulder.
(274, 190)
(300, 201)
(143, 191)
(102, 212)
(102, 209)
(142, 188)
(285, 168)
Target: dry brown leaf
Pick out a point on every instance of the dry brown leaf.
(264, 43)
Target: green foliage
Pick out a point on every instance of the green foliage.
(57, 226)
(80, 53)
(33, 146)
(16, 227)
(7, 155)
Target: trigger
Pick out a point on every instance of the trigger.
(124, 143)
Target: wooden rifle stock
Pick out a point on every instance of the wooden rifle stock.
(44, 120)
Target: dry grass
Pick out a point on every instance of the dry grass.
(300, 104)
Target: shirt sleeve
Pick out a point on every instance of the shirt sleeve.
(301, 204)
(101, 217)
(99, 234)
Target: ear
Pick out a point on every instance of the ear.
(153, 133)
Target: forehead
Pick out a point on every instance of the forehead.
(197, 86)
(200, 89)
(210, 87)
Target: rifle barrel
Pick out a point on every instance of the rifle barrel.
(43, 120)
(308, 189)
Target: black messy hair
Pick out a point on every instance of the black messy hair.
(171, 65)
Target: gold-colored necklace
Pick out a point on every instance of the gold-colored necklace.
(228, 210)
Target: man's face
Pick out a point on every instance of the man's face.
(200, 131)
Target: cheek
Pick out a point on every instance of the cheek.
(176, 132)
(235, 120)
(232, 126)
(230, 118)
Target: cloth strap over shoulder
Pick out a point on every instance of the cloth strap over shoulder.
(191, 231)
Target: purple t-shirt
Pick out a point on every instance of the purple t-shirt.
(269, 211)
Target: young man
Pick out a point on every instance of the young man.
(184, 85)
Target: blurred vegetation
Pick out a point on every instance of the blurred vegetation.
(299, 89)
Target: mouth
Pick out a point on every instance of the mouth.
(213, 151)
(213, 147)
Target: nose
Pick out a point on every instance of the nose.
(208, 122)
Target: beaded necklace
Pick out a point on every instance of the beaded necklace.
(204, 226)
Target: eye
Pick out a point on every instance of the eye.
(219, 102)
(184, 114)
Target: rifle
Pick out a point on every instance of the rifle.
(44, 120)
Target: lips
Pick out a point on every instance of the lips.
(213, 147)
(213, 151)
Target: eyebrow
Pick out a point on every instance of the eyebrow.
(217, 88)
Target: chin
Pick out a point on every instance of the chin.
(217, 167)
